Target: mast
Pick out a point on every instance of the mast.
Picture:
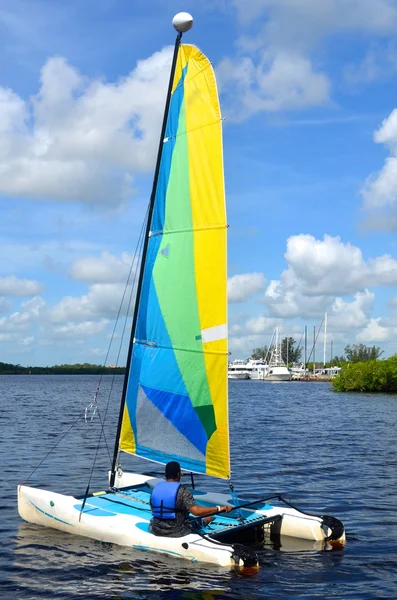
(276, 359)
(314, 349)
(305, 348)
(182, 23)
(287, 352)
(325, 339)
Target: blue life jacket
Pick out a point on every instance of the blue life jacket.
(163, 500)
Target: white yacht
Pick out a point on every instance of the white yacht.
(257, 369)
(299, 371)
(277, 371)
(238, 370)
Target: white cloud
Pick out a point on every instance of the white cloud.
(380, 189)
(281, 82)
(242, 346)
(107, 268)
(305, 21)
(27, 341)
(32, 311)
(241, 287)
(102, 301)
(53, 254)
(331, 267)
(80, 330)
(320, 277)
(5, 305)
(6, 337)
(379, 62)
(351, 315)
(12, 286)
(260, 325)
(276, 63)
(387, 132)
(96, 352)
(374, 331)
(82, 140)
(289, 303)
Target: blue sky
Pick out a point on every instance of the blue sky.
(308, 93)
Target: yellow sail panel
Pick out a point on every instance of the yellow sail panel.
(207, 193)
(127, 435)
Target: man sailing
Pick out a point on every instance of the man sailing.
(172, 502)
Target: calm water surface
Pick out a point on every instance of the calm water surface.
(327, 453)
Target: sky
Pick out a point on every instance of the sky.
(308, 93)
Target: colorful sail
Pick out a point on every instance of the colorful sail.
(176, 403)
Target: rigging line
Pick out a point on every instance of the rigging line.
(53, 448)
(156, 346)
(258, 501)
(316, 338)
(134, 261)
(102, 432)
(140, 244)
(300, 341)
(74, 423)
(189, 229)
(188, 131)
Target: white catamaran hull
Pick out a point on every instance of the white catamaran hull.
(62, 512)
(120, 522)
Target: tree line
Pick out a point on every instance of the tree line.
(368, 376)
(77, 369)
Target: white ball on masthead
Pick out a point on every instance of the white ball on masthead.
(182, 22)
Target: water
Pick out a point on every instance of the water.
(327, 453)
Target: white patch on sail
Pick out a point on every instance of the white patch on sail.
(155, 431)
(219, 332)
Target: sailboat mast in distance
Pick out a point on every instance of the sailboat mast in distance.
(182, 22)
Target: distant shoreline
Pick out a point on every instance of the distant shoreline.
(77, 369)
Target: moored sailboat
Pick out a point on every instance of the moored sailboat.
(174, 403)
(277, 370)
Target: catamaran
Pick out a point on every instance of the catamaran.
(174, 403)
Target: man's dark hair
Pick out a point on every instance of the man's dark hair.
(172, 470)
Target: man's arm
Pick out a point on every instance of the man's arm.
(204, 511)
(189, 504)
